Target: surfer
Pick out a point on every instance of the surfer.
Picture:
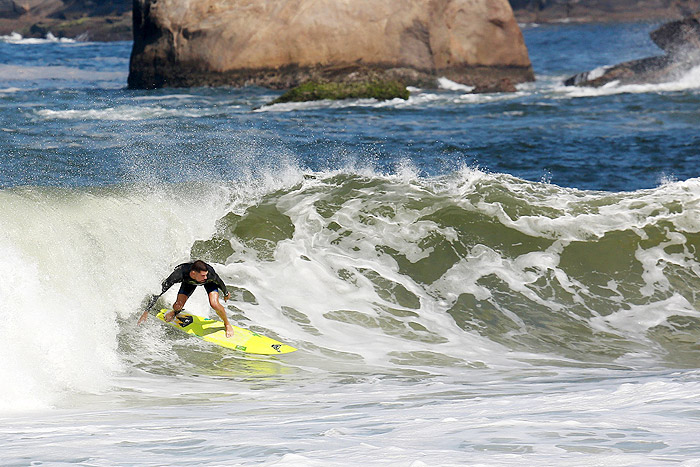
(192, 275)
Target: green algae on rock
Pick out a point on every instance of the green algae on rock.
(315, 91)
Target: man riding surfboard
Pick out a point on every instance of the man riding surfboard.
(191, 275)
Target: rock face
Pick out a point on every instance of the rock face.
(544, 11)
(681, 42)
(282, 43)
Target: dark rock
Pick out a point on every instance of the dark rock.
(678, 36)
(680, 40)
(38, 30)
(10, 9)
(502, 85)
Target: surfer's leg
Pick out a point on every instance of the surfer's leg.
(180, 303)
(177, 307)
(218, 307)
(182, 295)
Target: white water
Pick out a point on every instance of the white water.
(549, 87)
(16, 38)
(76, 263)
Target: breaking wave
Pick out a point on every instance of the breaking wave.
(465, 271)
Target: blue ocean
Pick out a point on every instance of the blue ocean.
(470, 279)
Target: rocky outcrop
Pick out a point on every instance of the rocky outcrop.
(282, 43)
(103, 20)
(679, 39)
(547, 11)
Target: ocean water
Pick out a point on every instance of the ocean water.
(496, 279)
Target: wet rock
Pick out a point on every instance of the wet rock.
(502, 85)
(679, 37)
(680, 40)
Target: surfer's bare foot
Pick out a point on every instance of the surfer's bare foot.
(169, 316)
(229, 330)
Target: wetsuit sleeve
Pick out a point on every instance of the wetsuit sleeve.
(176, 276)
(214, 277)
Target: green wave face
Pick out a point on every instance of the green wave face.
(534, 269)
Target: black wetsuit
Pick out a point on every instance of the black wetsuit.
(182, 274)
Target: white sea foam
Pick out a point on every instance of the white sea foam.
(81, 262)
(635, 420)
(688, 81)
(176, 97)
(449, 85)
(16, 38)
(315, 105)
(123, 113)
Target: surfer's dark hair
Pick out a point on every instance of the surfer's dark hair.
(199, 265)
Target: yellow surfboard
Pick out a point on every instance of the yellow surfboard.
(213, 331)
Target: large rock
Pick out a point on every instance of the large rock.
(679, 39)
(281, 43)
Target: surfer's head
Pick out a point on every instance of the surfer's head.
(199, 271)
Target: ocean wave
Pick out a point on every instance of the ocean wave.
(58, 75)
(463, 271)
(82, 271)
(532, 267)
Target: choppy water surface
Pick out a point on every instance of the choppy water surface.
(470, 279)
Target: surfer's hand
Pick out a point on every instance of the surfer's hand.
(143, 317)
(227, 296)
(229, 330)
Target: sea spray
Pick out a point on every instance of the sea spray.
(77, 263)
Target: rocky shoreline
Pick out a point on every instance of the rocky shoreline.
(89, 20)
(602, 11)
(99, 29)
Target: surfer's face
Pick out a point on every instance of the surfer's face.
(199, 276)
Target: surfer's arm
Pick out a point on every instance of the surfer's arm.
(178, 275)
(175, 277)
(214, 277)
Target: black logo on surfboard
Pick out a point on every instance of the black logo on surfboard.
(184, 321)
(277, 347)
